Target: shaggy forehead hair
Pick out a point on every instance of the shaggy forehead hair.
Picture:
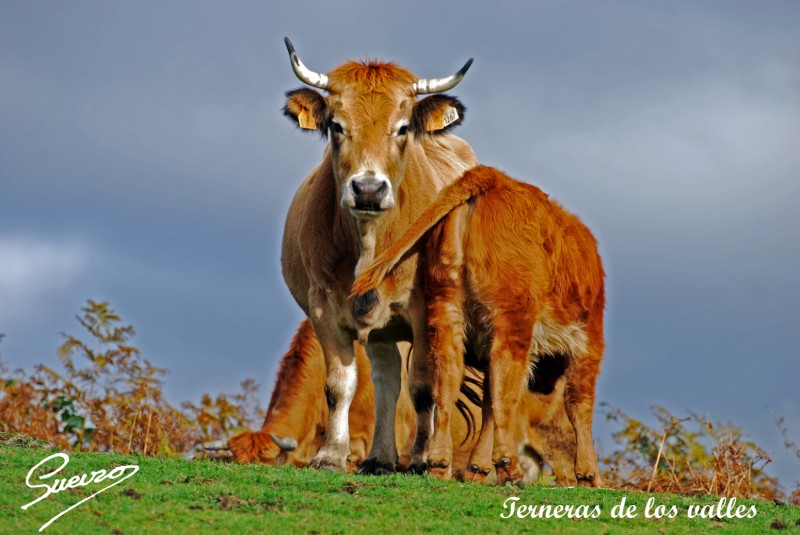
(371, 77)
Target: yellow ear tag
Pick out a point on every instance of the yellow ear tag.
(448, 116)
(306, 120)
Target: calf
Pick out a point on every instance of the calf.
(517, 276)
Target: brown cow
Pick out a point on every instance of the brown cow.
(545, 433)
(388, 156)
(294, 425)
(523, 279)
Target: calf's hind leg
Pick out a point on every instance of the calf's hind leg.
(579, 404)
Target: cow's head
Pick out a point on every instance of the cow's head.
(258, 446)
(371, 114)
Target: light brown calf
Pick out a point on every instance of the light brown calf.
(517, 276)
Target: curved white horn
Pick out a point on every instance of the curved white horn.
(216, 445)
(305, 74)
(286, 444)
(425, 86)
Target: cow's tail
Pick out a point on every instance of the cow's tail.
(471, 389)
(474, 182)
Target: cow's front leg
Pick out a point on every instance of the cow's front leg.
(340, 388)
(420, 389)
(385, 362)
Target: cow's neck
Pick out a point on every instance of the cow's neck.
(366, 238)
(372, 235)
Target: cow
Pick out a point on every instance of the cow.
(387, 156)
(294, 425)
(521, 279)
(546, 435)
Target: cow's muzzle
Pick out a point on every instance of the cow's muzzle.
(368, 197)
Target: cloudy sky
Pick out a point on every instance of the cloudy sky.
(144, 161)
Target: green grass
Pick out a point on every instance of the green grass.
(175, 496)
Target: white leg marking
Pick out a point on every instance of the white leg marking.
(340, 429)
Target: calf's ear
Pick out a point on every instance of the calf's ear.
(307, 109)
(436, 114)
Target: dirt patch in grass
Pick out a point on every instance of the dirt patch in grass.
(352, 486)
(130, 493)
(24, 441)
(195, 480)
(230, 502)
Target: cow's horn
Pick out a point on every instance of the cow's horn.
(286, 444)
(305, 74)
(216, 445)
(425, 86)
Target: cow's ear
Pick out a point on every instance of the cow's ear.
(437, 114)
(307, 109)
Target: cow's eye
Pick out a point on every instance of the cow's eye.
(403, 130)
(336, 127)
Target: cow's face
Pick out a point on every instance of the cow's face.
(261, 446)
(372, 116)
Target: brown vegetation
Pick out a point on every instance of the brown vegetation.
(686, 456)
(109, 398)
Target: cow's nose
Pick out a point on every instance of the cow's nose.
(368, 193)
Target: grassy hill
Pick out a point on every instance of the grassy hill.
(175, 496)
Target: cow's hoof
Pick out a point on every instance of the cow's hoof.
(375, 467)
(502, 463)
(588, 480)
(480, 476)
(439, 469)
(508, 471)
(439, 472)
(476, 474)
(328, 463)
(417, 468)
